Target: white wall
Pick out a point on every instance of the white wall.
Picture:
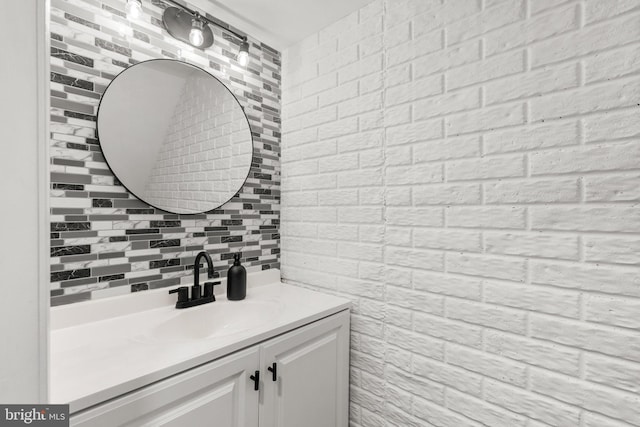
(468, 173)
(24, 225)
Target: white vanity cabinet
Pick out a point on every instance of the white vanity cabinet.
(219, 393)
(310, 387)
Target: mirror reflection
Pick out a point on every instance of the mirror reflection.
(175, 136)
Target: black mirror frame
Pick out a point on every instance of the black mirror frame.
(123, 184)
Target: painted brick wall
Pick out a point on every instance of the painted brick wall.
(104, 241)
(210, 163)
(468, 173)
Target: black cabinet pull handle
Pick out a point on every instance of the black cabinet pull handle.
(274, 371)
(256, 380)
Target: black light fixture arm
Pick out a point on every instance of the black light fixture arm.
(242, 37)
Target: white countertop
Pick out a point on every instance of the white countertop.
(102, 349)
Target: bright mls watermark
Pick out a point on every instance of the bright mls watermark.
(34, 415)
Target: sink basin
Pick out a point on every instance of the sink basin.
(216, 319)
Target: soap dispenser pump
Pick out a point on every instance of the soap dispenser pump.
(236, 280)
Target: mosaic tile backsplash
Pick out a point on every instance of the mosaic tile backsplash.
(106, 242)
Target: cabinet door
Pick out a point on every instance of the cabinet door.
(218, 394)
(312, 382)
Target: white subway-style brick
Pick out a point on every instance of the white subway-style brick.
(529, 190)
(615, 342)
(543, 245)
(415, 258)
(525, 32)
(398, 115)
(489, 69)
(446, 13)
(476, 313)
(415, 342)
(486, 119)
(440, 105)
(591, 39)
(438, 416)
(413, 91)
(451, 330)
(414, 174)
(623, 219)
(511, 217)
(593, 398)
(535, 83)
(587, 277)
(590, 99)
(446, 59)
(534, 352)
(545, 135)
(612, 250)
(487, 365)
(434, 392)
(487, 266)
(625, 125)
(612, 64)
(447, 239)
(445, 149)
(595, 420)
(451, 285)
(418, 301)
(415, 132)
(370, 65)
(448, 375)
(617, 187)
(534, 298)
(491, 18)
(620, 156)
(428, 43)
(468, 173)
(485, 413)
(415, 217)
(613, 311)
(612, 372)
(532, 405)
(333, 96)
(540, 6)
(600, 10)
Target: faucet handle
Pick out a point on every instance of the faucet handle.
(196, 292)
(183, 293)
(208, 289)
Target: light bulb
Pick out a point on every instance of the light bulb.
(243, 54)
(133, 9)
(196, 37)
(243, 58)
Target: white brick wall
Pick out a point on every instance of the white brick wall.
(206, 154)
(468, 173)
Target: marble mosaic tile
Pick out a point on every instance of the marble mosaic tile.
(104, 241)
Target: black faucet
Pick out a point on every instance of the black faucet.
(197, 297)
(196, 268)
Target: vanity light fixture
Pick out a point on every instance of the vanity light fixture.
(133, 9)
(190, 27)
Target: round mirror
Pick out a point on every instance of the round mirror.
(175, 136)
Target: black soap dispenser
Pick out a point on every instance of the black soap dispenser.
(236, 280)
